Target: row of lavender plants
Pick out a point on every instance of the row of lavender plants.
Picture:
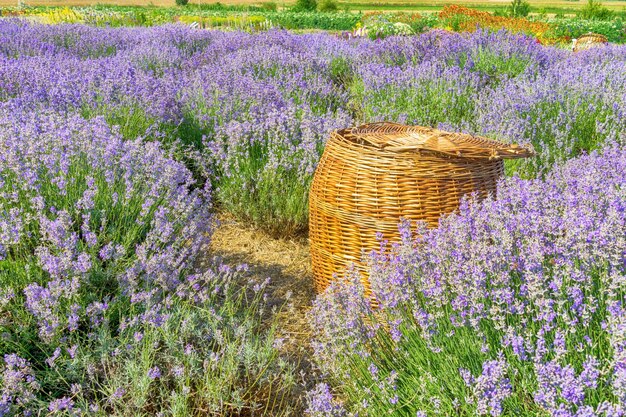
(512, 307)
(250, 113)
(107, 306)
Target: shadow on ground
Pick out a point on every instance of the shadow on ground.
(287, 264)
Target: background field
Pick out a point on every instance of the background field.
(549, 6)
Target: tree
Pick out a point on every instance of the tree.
(305, 5)
(328, 6)
(595, 10)
(519, 8)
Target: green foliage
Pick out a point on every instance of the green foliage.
(585, 131)
(501, 13)
(594, 10)
(328, 6)
(423, 24)
(215, 353)
(216, 357)
(133, 121)
(258, 196)
(213, 7)
(306, 16)
(182, 2)
(426, 102)
(309, 20)
(341, 72)
(519, 8)
(542, 13)
(269, 6)
(566, 28)
(383, 25)
(498, 66)
(414, 372)
(382, 30)
(269, 195)
(239, 22)
(305, 5)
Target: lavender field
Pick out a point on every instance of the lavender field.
(120, 147)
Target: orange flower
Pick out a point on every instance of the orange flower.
(470, 19)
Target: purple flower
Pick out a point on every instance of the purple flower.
(178, 371)
(19, 386)
(72, 351)
(491, 388)
(55, 355)
(154, 373)
(119, 393)
(93, 214)
(321, 403)
(61, 404)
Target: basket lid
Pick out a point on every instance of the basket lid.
(592, 38)
(395, 137)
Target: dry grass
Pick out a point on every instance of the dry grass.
(288, 265)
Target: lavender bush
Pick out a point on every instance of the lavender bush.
(513, 306)
(102, 307)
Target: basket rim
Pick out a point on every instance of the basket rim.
(399, 138)
(593, 38)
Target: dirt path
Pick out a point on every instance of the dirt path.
(288, 265)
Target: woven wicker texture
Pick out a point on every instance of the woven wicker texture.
(373, 175)
(588, 41)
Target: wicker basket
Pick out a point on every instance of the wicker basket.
(373, 175)
(589, 41)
